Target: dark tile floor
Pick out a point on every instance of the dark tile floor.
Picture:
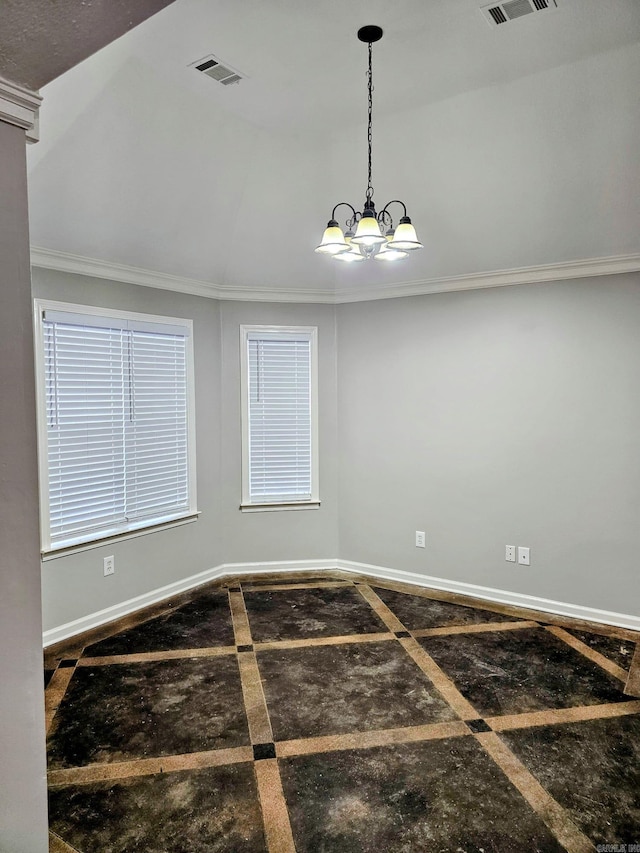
(128, 711)
(331, 728)
(416, 612)
(303, 613)
(517, 671)
(616, 650)
(321, 690)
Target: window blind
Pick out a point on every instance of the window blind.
(279, 415)
(117, 425)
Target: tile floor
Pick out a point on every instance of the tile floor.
(326, 715)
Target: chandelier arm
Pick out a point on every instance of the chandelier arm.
(394, 201)
(350, 206)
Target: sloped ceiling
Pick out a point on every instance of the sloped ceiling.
(38, 42)
(513, 146)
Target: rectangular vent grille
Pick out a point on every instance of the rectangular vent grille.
(498, 15)
(511, 10)
(220, 71)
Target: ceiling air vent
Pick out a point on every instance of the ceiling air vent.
(511, 10)
(218, 70)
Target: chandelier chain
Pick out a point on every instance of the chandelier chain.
(370, 132)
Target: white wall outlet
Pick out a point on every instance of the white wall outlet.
(109, 566)
(524, 557)
(510, 553)
(421, 538)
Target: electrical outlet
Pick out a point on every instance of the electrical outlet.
(510, 553)
(420, 539)
(109, 566)
(524, 556)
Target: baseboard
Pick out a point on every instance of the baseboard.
(116, 611)
(499, 596)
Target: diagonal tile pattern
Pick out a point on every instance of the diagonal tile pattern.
(416, 612)
(519, 671)
(312, 713)
(617, 650)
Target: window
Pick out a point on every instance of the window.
(115, 420)
(279, 417)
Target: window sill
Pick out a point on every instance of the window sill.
(65, 551)
(278, 507)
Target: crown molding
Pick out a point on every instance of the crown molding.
(79, 265)
(613, 265)
(51, 259)
(20, 106)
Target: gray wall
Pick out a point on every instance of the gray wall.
(74, 586)
(503, 416)
(23, 803)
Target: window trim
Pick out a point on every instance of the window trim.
(140, 525)
(311, 334)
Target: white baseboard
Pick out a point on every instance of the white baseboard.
(498, 596)
(116, 611)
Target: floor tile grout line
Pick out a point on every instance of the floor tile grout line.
(55, 693)
(561, 716)
(337, 639)
(632, 687)
(554, 815)
(314, 642)
(440, 680)
(158, 765)
(461, 707)
(59, 845)
(273, 803)
(290, 586)
(253, 696)
(380, 608)
(255, 702)
(594, 656)
(371, 739)
(479, 628)
(239, 618)
(149, 657)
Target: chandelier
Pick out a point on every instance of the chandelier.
(374, 235)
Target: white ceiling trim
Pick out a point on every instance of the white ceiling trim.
(79, 265)
(498, 278)
(20, 106)
(51, 259)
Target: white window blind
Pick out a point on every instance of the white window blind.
(117, 425)
(280, 417)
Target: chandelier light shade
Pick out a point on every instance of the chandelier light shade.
(368, 240)
(333, 242)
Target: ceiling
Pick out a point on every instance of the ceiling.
(513, 146)
(38, 43)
